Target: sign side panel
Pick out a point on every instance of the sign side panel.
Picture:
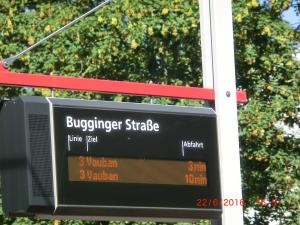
(53, 154)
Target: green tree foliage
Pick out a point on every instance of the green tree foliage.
(267, 70)
(158, 41)
(150, 41)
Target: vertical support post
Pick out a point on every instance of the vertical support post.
(226, 108)
(206, 43)
(206, 53)
(206, 47)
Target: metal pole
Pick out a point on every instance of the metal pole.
(226, 108)
(206, 53)
(206, 45)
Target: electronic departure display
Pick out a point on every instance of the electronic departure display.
(101, 169)
(107, 160)
(147, 156)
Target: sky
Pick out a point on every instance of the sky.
(291, 17)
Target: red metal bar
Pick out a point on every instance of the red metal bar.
(108, 86)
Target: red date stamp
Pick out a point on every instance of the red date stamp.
(216, 203)
(206, 202)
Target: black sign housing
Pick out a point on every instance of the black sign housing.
(95, 159)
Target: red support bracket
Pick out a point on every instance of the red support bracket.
(108, 86)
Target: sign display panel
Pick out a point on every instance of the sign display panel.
(120, 157)
(100, 169)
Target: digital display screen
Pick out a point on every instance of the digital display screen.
(112, 155)
(139, 171)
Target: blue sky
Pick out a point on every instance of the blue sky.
(291, 16)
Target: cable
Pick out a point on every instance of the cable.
(9, 61)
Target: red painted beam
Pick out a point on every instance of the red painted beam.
(109, 86)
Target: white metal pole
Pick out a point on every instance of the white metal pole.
(226, 108)
(206, 48)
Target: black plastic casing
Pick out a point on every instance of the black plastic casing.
(27, 163)
(25, 157)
